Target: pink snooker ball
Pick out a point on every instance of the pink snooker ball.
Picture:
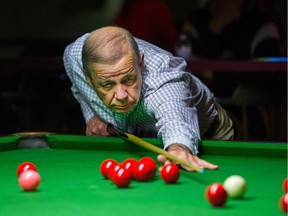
(29, 180)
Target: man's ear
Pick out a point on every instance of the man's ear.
(141, 61)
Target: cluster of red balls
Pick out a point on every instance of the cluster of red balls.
(144, 169)
(28, 176)
(284, 198)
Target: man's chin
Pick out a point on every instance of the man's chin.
(123, 109)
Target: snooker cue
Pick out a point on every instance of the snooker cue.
(136, 140)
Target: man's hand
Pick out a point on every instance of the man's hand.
(96, 127)
(182, 152)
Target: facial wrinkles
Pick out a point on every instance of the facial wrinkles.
(110, 76)
(105, 71)
(125, 97)
(122, 88)
(115, 74)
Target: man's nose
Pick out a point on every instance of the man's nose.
(121, 92)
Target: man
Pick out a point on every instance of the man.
(143, 90)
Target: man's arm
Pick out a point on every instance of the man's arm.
(96, 127)
(176, 115)
(171, 94)
(73, 67)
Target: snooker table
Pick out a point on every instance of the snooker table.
(71, 183)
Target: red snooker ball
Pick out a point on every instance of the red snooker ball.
(170, 173)
(29, 180)
(106, 165)
(129, 163)
(216, 194)
(142, 171)
(151, 162)
(24, 167)
(112, 170)
(122, 177)
(284, 202)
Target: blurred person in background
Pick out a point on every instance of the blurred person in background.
(243, 30)
(235, 29)
(149, 20)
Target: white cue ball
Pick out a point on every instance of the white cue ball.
(235, 186)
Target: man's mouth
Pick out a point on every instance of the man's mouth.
(122, 108)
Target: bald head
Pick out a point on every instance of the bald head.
(107, 45)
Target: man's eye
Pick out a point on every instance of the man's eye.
(130, 80)
(107, 86)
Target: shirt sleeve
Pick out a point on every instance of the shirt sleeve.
(68, 64)
(169, 97)
(86, 110)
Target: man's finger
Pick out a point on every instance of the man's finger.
(161, 159)
(207, 165)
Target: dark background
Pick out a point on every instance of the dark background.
(35, 93)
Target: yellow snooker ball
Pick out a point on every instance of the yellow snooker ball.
(235, 186)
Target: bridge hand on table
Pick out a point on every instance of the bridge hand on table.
(184, 154)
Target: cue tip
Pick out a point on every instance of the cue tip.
(202, 171)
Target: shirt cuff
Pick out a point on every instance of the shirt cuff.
(192, 145)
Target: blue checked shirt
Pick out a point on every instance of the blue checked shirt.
(174, 105)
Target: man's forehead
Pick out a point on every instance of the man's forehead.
(120, 68)
(108, 75)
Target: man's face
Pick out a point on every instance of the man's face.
(118, 85)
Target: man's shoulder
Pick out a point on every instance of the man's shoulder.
(75, 48)
(147, 47)
(152, 53)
